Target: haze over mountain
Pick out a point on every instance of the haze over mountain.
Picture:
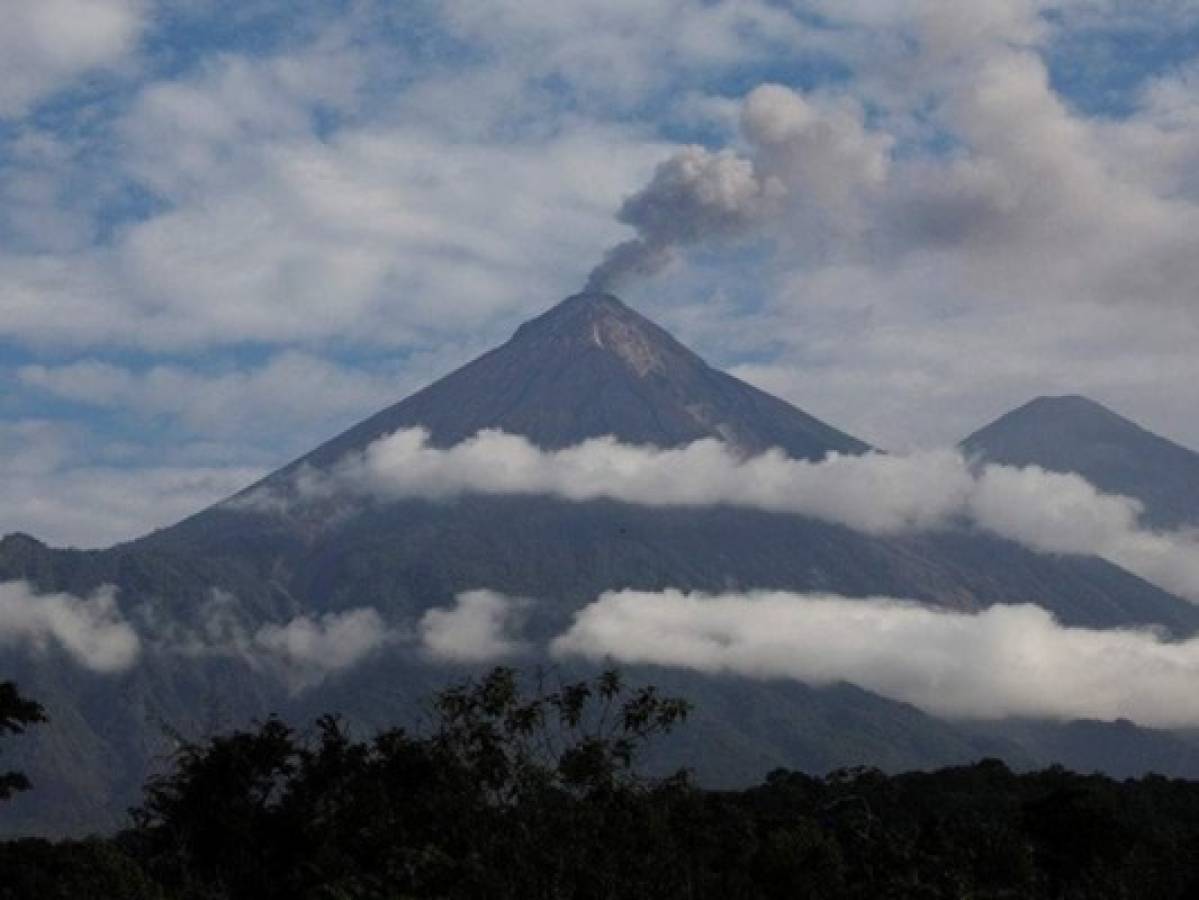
(221, 593)
(1075, 434)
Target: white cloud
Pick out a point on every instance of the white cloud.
(91, 630)
(374, 235)
(291, 390)
(51, 489)
(620, 52)
(46, 44)
(305, 195)
(873, 493)
(1004, 661)
(308, 649)
(481, 626)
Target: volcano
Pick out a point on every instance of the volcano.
(590, 366)
(1076, 434)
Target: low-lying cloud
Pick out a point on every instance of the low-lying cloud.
(874, 493)
(481, 626)
(309, 648)
(301, 652)
(90, 630)
(1003, 661)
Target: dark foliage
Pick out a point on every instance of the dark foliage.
(534, 794)
(16, 712)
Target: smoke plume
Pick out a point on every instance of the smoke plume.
(813, 153)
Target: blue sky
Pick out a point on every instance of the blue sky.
(229, 229)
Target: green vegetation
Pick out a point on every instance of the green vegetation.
(532, 791)
(16, 712)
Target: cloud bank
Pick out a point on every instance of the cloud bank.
(1004, 661)
(873, 493)
(90, 630)
(481, 626)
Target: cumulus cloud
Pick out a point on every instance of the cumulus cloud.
(90, 630)
(45, 45)
(874, 493)
(481, 626)
(1004, 661)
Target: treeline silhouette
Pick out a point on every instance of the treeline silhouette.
(531, 790)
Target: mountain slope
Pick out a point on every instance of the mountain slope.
(588, 367)
(1074, 434)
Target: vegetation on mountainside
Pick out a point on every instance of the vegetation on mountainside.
(16, 712)
(525, 793)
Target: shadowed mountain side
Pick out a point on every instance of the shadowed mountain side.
(405, 557)
(1074, 434)
(1120, 749)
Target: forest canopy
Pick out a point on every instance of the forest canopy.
(523, 787)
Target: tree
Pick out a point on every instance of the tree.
(512, 793)
(16, 712)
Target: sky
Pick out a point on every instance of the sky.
(230, 229)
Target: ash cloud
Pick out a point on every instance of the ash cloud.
(873, 493)
(1004, 661)
(694, 196)
(814, 153)
(91, 630)
(971, 170)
